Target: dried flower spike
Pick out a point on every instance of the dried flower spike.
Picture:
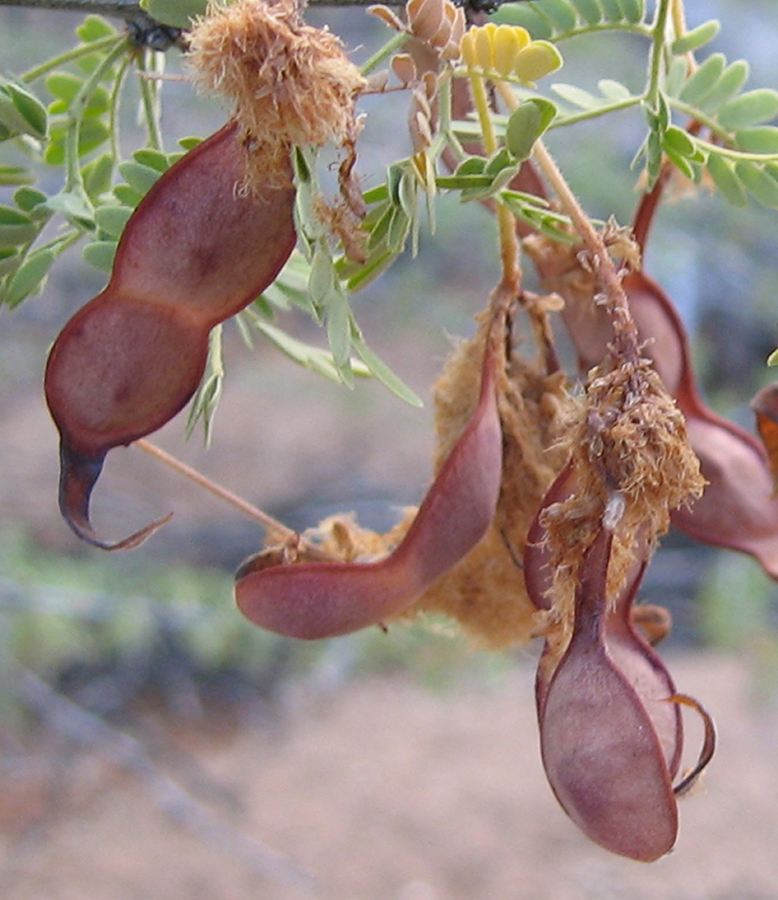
(292, 84)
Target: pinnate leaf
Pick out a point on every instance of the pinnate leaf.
(751, 108)
(696, 38)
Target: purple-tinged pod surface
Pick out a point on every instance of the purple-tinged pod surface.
(196, 250)
(601, 751)
(322, 599)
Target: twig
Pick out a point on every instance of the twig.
(276, 528)
(625, 331)
(130, 9)
(79, 725)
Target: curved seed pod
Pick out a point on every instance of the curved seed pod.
(196, 250)
(629, 651)
(601, 751)
(643, 669)
(321, 599)
(738, 508)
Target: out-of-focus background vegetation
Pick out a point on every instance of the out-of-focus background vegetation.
(154, 633)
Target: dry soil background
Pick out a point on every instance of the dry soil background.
(387, 790)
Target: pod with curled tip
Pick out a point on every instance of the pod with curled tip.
(611, 732)
(601, 748)
(323, 599)
(197, 250)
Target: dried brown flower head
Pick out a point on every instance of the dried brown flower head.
(292, 84)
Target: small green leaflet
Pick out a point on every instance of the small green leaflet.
(526, 124)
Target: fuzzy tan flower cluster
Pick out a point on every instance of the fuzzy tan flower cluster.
(292, 84)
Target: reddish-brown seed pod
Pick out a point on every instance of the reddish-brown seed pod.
(197, 250)
(738, 508)
(609, 731)
(321, 599)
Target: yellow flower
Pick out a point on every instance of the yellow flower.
(507, 52)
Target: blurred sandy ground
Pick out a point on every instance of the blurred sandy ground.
(387, 790)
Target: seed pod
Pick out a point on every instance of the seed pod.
(322, 599)
(196, 250)
(610, 740)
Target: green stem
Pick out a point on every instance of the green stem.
(481, 103)
(656, 57)
(113, 108)
(68, 56)
(61, 243)
(736, 155)
(587, 114)
(392, 45)
(149, 92)
(73, 177)
(446, 125)
(510, 250)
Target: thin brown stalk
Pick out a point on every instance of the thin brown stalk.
(277, 531)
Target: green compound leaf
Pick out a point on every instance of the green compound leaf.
(634, 11)
(680, 143)
(63, 86)
(98, 175)
(112, 219)
(208, 394)
(703, 80)
(74, 206)
(306, 355)
(138, 176)
(526, 16)
(731, 188)
(29, 278)
(762, 139)
(291, 287)
(178, 13)
(751, 108)
(92, 134)
(337, 321)
(696, 38)
(100, 255)
(13, 175)
(9, 260)
(729, 83)
(31, 201)
(380, 370)
(32, 111)
(559, 19)
(127, 195)
(535, 212)
(561, 14)
(21, 113)
(16, 228)
(95, 28)
(676, 76)
(589, 11)
(526, 124)
(758, 182)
